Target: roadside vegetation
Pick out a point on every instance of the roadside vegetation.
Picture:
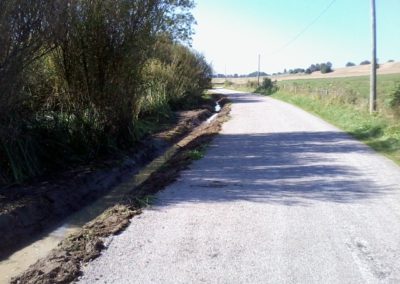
(82, 79)
(344, 103)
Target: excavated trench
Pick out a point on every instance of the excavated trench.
(13, 264)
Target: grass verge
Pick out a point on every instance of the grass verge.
(380, 132)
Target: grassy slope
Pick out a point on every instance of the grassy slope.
(380, 131)
(377, 131)
(357, 86)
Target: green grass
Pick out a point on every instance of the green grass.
(380, 132)
(145, 201)
(355, 87)
(196, 154)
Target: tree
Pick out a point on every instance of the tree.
(350, 64)
(365, 62)
(326, 67)
(74, 76)
(323, 67)
(268, 87)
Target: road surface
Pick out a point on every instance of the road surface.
(280, 197)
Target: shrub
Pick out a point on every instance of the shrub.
(323, 67)
(326, 68)
(365, 62)
(350, 64)
(176, 75)
(394, 97)
(268, 87)
(77, 77)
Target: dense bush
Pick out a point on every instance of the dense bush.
(267, 87)
(176, 75)
(78, 77)
(323, 67)
(326, 68)
(296, 71)
(394, 97)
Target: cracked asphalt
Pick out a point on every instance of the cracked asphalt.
(280, 197)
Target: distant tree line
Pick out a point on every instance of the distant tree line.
(364, 62)
(323, 67)
(318, 67)
(252, 74)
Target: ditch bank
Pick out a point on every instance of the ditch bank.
(28, 210)
(63, 264)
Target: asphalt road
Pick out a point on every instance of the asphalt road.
(280, 197)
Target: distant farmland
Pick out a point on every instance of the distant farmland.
(355, 71)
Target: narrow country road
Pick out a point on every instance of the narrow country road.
(280, 197)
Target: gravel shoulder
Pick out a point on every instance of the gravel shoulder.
(280, 197)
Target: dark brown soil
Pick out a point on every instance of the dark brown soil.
(28, 210)
(63, 264)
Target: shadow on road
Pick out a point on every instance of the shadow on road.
(284, 168)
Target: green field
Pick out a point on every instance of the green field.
(344, 103)
(353, 88)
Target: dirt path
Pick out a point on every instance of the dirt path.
(280, 197)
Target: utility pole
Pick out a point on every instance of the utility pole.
(372, 99)
(259, 66)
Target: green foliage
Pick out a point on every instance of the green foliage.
(268, 87)
(197, 154)
(228, 83)
(326, 68)
(350, 64)
(394, 97)
(80, 79)
(178, 73)
(323, 67)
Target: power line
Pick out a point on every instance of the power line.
(305, 29)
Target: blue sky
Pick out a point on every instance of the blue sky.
(231, 33)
